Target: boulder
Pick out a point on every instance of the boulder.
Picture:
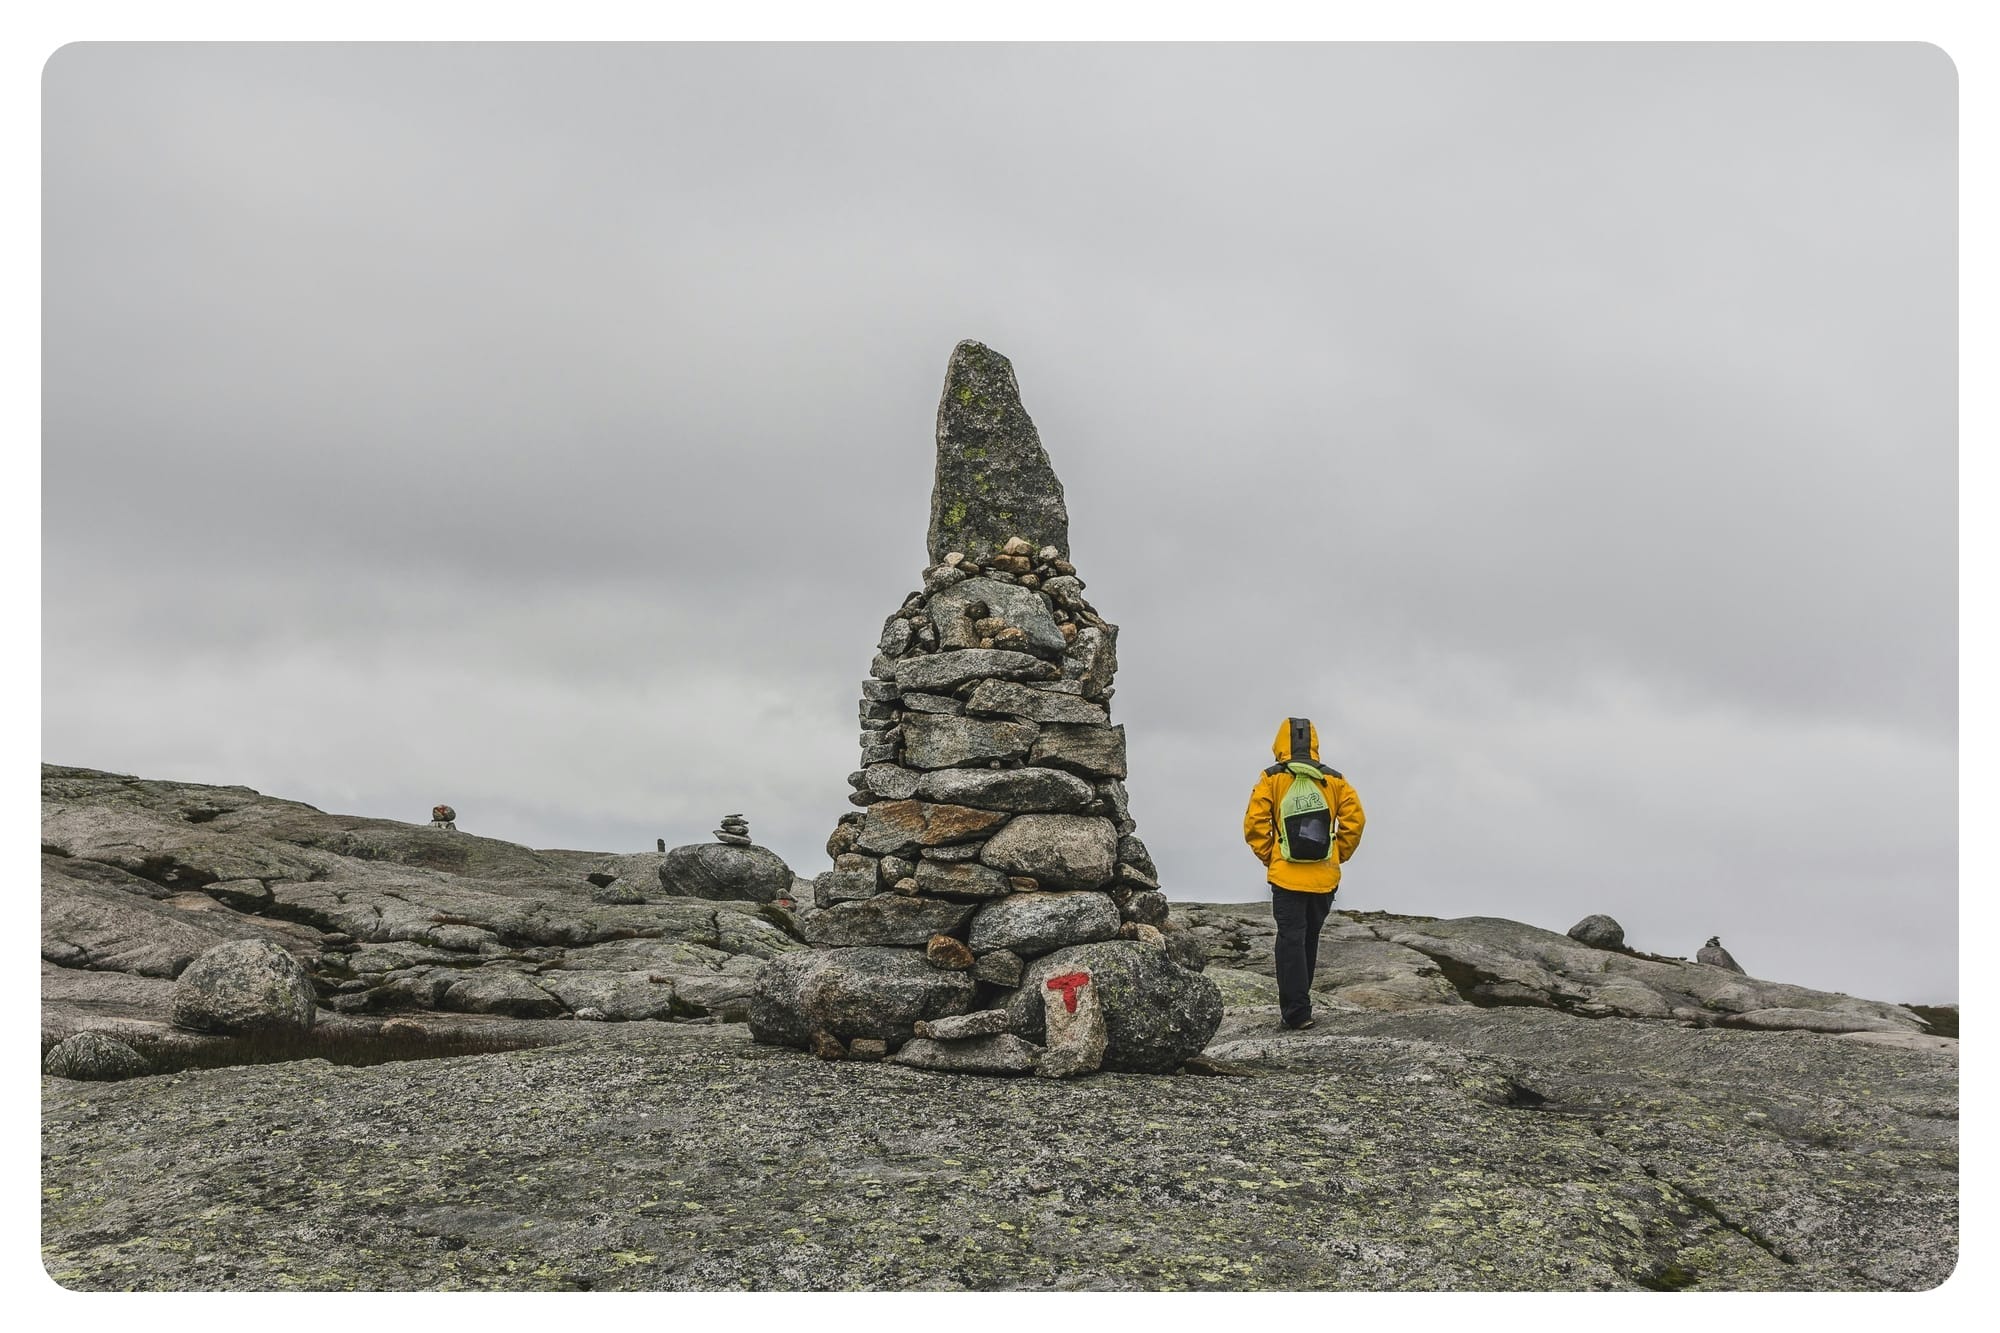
(1010, 604)
(1093, 751)
(932, 703)
(1093, 660)
(961, 879)
(1599, 932)
(1156, 1013)
(939, 740)
(892, 827)
(941, 673)
(890, 919)
(718, 870)
(1012, 699)
(244, 986)
(993, 479)
(1034, 923)
(1013, 790)
(860, 992)
(1001, 1054)
(1074, 1021)
(843, 886)
(957, 1027)
(95, 1057)
(1059, 851)
(891, 782)
(1002, 967)
(1148, 906)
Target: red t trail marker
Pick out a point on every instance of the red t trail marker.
(1069, 983)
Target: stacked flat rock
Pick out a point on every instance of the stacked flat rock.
(735, 831)
(994, 838)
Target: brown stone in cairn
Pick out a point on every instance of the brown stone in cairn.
(827, 1046)
(948, 953)
(893, 826)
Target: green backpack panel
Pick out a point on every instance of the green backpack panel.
(1305, 821)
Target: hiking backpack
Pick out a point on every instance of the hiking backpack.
(1305, 821)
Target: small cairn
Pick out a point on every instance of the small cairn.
(992, 881)
(444, 817)
(730, 867)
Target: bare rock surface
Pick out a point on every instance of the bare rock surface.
(1483, 1105)
(1381, 961)
(140, 877)
(1452, 1148)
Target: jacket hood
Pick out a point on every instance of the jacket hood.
(1281, 747)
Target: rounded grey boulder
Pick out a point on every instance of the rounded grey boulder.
(93, 1056)
(1599, 932)
(1157, 1014)
(718, 870)
(1057, 851)
(1034, 923)
(244, 986)
(870, 991)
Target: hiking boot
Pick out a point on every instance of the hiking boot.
(1301, 1027)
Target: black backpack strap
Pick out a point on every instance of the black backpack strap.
(1276, 769)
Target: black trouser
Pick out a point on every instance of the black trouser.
(1299, 917)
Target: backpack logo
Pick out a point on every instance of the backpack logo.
(1305, 821)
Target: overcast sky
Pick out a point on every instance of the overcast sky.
(1568, 430)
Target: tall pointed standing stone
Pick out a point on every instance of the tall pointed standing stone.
(993, 476)
(994, 867)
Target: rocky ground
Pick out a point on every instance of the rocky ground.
(1483, 1105)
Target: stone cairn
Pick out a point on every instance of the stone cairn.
(991, 908)
(444, 817)
(730, 867)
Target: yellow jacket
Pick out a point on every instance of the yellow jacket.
(1260, 821)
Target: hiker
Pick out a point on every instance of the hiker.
(1303, 821)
